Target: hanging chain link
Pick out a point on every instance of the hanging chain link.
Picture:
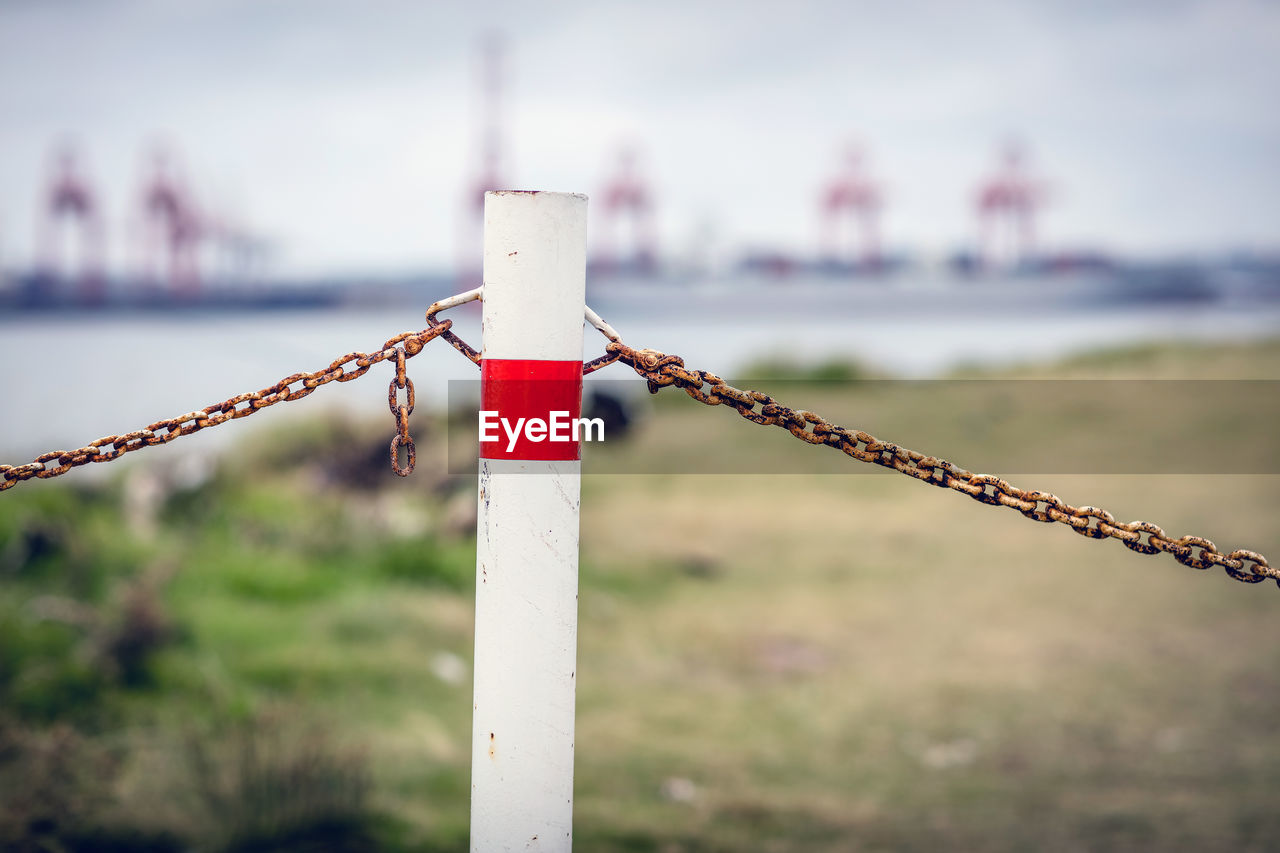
(401, 412)
(662, 370)
(295, 387)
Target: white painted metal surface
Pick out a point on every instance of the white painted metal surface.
(527, 542)
(605, 329)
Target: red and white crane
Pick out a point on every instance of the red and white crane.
(69, 198)
(490, 174)
(626, 202)
(172, 228)
(850, 211)
(1007, 202)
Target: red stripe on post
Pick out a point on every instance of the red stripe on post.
(514, 392)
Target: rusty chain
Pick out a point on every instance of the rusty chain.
(401, 347)
(662, 370)
(401, 412)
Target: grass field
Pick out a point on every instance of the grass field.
(276, 649)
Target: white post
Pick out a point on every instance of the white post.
(527, 526)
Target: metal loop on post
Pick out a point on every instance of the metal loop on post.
(477, 295)
(608, 331)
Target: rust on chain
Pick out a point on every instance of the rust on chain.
(596, 363)
(399, 440)
(402, 412)
(661, 370)
(447, 333)
(293, 387)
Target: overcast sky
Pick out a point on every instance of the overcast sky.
(347, 132)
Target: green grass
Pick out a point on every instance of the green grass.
(766, 661)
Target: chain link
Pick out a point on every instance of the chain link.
(442, 328)
(662, 370)
(401, 412)
(294, 387)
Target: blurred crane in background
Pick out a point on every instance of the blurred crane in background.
(1007, 202)
(69, 198)
(626, 202)
(171, 229)
(490, 174)
(851, 197)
